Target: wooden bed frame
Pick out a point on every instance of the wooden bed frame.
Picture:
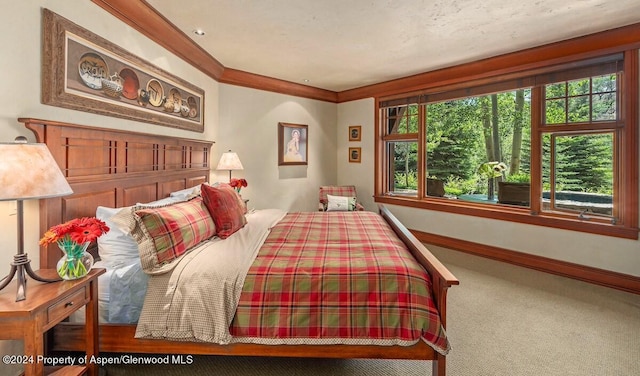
(116, 168)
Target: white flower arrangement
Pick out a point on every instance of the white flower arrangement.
(492, 170)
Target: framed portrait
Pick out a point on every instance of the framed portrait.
(354, 132)
(355, 155)
(293, 141)
(83, 71)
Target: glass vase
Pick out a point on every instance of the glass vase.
(76, 261)
(491, 189)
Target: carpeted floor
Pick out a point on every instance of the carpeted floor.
(503, 320)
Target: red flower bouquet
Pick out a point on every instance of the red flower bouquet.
(73, 237)
(238, 184)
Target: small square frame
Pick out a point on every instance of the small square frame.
(355, 155)
(355, 133)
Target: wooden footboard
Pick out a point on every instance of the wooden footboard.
(441, 277)
(120, 338)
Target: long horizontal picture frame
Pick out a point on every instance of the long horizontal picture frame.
(83, 71)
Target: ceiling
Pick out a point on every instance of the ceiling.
(344, 44)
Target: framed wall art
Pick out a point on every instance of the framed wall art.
(83, 71)
(292, 144)
(355, 155)
(354, 132)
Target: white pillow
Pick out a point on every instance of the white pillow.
(116, 246)
(163, 201)
(340, 203)
(186, 193)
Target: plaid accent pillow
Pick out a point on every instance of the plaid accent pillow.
(165, 233)
(226, 208)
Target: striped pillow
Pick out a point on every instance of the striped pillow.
(165, 233)
(226, 208)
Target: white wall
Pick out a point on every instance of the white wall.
(20, 97)
(249, 126)
(20, 75)
(604, 252)
(358, 112)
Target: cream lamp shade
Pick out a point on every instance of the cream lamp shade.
(27, 171)
(229, 161)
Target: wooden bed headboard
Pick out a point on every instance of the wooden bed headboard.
(114, 168)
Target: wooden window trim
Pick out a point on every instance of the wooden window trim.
(518, 215)
(629, 153)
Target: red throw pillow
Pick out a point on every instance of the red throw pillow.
(225, 207)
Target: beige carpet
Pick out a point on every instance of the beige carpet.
(503, 321)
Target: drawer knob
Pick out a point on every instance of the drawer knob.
(68, 304)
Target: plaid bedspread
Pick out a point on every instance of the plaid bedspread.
(308, 285)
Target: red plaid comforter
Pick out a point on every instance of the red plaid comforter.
(340, 276)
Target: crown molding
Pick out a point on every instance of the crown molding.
(584, 47)
(256, 81)
(145, 19)
(148, 21)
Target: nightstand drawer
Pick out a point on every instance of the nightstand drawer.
(66, 306)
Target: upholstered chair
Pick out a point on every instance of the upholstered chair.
(337, 190)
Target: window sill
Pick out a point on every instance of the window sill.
(512, 214)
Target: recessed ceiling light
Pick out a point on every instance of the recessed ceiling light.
(306, 80)
(199, 32)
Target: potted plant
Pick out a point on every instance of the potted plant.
(515, 190)
(490, 171)
(435, 187)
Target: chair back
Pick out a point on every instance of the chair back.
(335, 190)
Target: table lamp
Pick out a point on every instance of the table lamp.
(27, 171)
(229, 161)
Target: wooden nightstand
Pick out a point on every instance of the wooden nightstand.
(46, 305)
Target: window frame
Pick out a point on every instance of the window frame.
(407, 137)
(626, 185)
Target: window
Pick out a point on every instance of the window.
(543, 148)
(402, 135)
(578, 174)
(476, 142)
(405, 177)
(578, 162)
(580, 101)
